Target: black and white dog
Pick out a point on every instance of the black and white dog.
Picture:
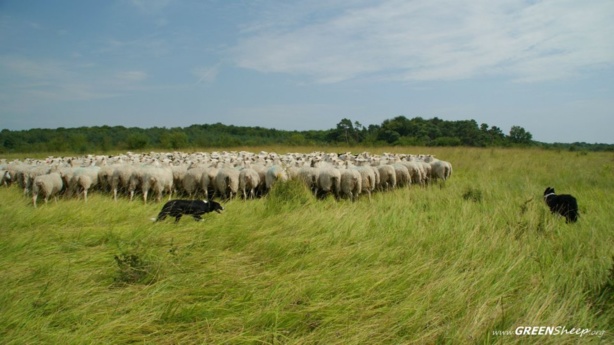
(563, 204)
(195, 208)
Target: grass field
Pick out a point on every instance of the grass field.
(469, 262)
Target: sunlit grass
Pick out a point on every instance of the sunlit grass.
(418, 265)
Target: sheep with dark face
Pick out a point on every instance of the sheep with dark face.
(5, 178)
(48, 185)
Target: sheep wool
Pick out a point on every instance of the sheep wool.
(48, 185)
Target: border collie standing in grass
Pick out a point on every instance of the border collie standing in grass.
(564, 204)
(195, 208)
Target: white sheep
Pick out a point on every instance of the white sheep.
(273, 174)
(329, 181)
(368, 182)
(227, 182)
(351, 183)
(105, 175)
(309, 176)
(416, 172)
(179, 172)
(48, 185)
(192, 181)
(121, 179)
(159, 180)
(388, 177)
(29, 175)
(403, 177)
(249, 180)
(84, 179)
(439, 169)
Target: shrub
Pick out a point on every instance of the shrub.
(134, 270)
(472, 194)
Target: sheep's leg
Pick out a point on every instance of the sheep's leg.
(34, 200)
(85, 195)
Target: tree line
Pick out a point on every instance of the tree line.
(398, 131)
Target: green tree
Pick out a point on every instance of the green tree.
(174, 140)
(519, 135)
(137, 141)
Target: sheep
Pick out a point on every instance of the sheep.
(121, 179)
(368, 181)
(273, 174)
(48, 185)
(329, 181)
(192, 182)
(30, 173)
(261, 170)
(135, 181)
(134, 171)
(159, 180)
(351, 183)
(179, 172)
(439, 169)
(5, 178)
(416, 172)
(249, 179)
(402, 175)
(309, 176)
(227, 182)
(388, 177)
(105, 175)
(85, 178)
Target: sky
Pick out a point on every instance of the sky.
(547, 66)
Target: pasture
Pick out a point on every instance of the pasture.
(470, 261)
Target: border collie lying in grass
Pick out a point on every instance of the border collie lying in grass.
(563, 204)
(196, 208)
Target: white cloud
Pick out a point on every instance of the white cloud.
(150, 7)
(131, 76)
(206, 74)
(432, 40)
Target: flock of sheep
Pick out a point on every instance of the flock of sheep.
(219, 174)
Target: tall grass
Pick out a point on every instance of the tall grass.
(413, 266)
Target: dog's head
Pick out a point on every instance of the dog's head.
(548, 192)
(214, 206)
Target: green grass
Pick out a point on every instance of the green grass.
(414, 266)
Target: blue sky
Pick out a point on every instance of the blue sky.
(547, 66)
